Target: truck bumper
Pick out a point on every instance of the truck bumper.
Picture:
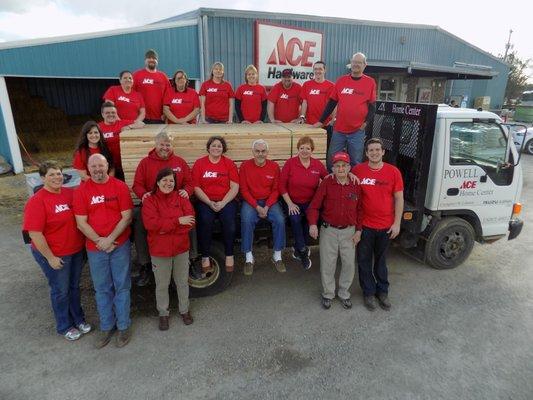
(515, 227)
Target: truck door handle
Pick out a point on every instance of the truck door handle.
(452, 192)
(483, 178)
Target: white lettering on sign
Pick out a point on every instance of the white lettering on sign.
(97, 200)
(460, 173)
(61, 208)
(278, 47)
(123, 98)
(210, 174)
(148, 81)
(177, 101)
(407, 110)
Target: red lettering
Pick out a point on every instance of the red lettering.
(307, 53)
(469, 185)
(290, 51)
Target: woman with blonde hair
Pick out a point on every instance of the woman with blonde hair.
(251, 98)
(216, 98)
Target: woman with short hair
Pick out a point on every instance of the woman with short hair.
(129, 102)
(181, 104)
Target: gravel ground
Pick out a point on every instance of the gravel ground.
(459, 334)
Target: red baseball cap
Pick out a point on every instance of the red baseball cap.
(286, 72)
(341, 156)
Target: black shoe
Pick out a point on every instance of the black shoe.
(346, 303)
(370, 303)
(144, 275)
(383, 300)
(304, 258)
(326, 303)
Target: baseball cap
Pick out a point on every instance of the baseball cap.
(151, 53)
(286, 72)
(341, 156)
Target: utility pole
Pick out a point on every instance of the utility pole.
(508, 45)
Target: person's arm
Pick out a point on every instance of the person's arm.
(313, 210)
(330, 106)
(398, 212)
(107, 243)
(141, 116)
(202, 110)
(231, 110)
(40, 243)
(169, 115)
(303, 111)
(189, 117)
(200, 195)
(238, 110)
(155, 222)
(369, 115)
(270, 111)
(274, 194)
(244, 188)
(86, 229)
(139, 186)
(187, 185)
(231, 194)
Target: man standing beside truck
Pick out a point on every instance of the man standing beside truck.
(382, 207)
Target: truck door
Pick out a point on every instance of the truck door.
(478, 175)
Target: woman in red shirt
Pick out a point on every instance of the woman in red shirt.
(168, 218)
(129, 103)
(251, 98)
(57, 246)
(216, 98)
(216, 184)
(182, 104)
(299, 179)
(89, 143)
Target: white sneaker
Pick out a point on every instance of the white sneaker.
(84, 328)
(72, 334)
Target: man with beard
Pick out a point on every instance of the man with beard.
(102, 206)
(152, 85)
(284, 99)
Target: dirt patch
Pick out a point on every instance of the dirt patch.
(13, 196)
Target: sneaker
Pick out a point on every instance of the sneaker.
(370, 303)
(326, 303)
(72, 334)
(304, 258)
(296, 254)
(187, 318)
(163, 323)
(346, 303)
(124, 337)
(279, 265)
(383, 300)
(248, 268)
(84, 327)
(103, 338)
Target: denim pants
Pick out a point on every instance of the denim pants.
(371, 251)
(64, 286)
(205, 217)
(250, 218)
(300, 227)
(111, 278)
(354, 144)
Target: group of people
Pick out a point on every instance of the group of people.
(358, 206)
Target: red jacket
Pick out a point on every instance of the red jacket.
(160, 213)
(259, 183)
(149, 167)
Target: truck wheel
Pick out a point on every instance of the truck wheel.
(201, 285)
(529, 147)
(450, 243)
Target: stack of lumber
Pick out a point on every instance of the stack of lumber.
(189, 142)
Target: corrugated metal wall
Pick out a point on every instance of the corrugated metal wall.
(4, 144)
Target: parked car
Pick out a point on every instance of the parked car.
(522, 135)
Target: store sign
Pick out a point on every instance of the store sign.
(278, 47)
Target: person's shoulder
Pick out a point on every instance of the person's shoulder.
(342, 78)
(368, 79)
(363, 166)
(272, 163)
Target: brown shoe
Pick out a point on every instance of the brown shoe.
(279, 265)
(163, 323)
(187, 318)
(103, 338)
(123, 337)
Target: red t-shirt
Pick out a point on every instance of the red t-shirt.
(377, 193)
(182, 104)
(286, 101)
(251, 98)
(217, 97)
(317, 96)
(111, 135)
(152, 86)
(259, 183)
(127, 104)
(103, 203)
(353, 97)
(81, 158)
(301, 182)
(51, 214)
(214, 179)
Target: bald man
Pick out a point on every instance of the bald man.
(103, 207)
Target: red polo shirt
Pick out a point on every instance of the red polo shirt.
(251, 98)
(152, 86)
(286, 101)
(127, 104)
(259, 183)
(301, 182)
(183, 103)
(214, 178)
(217, 97)
(317, 96)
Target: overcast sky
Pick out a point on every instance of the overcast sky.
(483, 24)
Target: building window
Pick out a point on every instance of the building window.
(388, 88)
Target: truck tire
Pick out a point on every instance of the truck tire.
(528, 148)
(449, 243)
(213, 282)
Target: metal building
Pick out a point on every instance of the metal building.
(69, 74)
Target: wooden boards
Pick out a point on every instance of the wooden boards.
(189, 141)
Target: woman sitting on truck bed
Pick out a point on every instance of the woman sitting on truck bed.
(90, 142)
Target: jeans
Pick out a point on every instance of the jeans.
(64, 286)
(300, 227)
(373, 277)
(354, 144)
(205, 219)
(111, 278)
(249, 219)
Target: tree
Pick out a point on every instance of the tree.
(517, 81)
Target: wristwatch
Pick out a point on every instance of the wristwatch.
(302, 117)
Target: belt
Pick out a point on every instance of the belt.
(326, 225)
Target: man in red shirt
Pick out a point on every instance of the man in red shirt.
(259, 189)
(354, 96)
(102, 206)
(337, 199)
(284, 99)
(382, 208)
(152, 85)
(161, 156)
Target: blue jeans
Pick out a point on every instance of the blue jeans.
(206, 217)
(249, 219)
(371, 251)
(354, 144)
(111, 278)
(64, 289)
(300, 227)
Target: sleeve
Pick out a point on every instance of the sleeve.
(187, 179)
(284, 178)
(238, 110)
(244, 188)
(330, 106)
(188, 209)
(124, 198)
(302, 96)
(78, 202)
(136, 79)
(203, 90)
(233, 172)
(139, 185)
(196, 173)
(274, 194)
(398, 180)
(34, 216)
(373, 92)
(195, 99)
(154, 222)
(141, 100)
(109, 94)
(334, 94)
(231, 93)
(313, 210)
(273, 95)
(78, 162)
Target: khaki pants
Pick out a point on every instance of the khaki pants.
(164, 269)
(332, 242)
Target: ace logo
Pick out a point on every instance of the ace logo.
(469, 185)
(293, 53)
(177, 101)
(61, 208)
(148, 81)
(97, 200)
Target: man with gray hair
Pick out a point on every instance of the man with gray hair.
(162, 156)
(259, 189)
(354, 95)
